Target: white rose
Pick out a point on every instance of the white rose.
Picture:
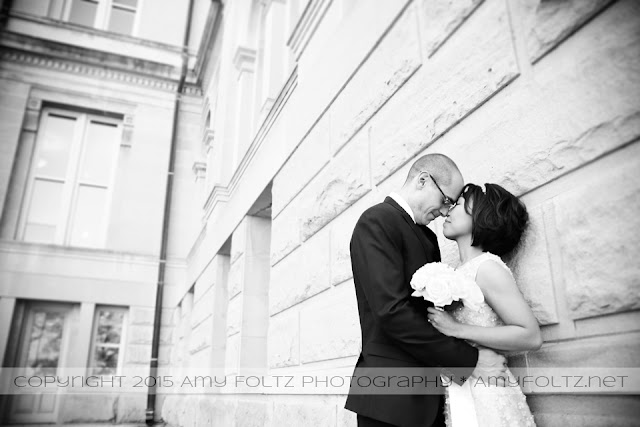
(459, 285)
(420, 279)
(473, 296)
(428, 272)
(438, 291)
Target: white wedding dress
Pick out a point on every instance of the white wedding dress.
(476, 403)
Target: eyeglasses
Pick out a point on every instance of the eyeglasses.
(447, 201)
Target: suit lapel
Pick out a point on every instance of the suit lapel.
(426, 243)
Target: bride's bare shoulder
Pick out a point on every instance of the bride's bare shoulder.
(493, 275)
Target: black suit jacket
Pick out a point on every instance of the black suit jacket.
(387, 247)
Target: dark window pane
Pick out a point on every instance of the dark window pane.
(45, 340)
(83, 12)
(35, 7)
(109, 327)
(105, 361)
(121, 20)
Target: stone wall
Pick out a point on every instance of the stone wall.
(538, 96)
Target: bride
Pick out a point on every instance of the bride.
(487, 222)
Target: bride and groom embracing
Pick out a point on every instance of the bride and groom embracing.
(390, 243)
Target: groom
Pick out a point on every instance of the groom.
(389, 243)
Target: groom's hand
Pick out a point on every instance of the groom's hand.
(491, 367)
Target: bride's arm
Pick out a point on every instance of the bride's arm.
(521, 331)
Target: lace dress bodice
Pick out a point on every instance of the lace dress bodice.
(485, 316)
(494, 406)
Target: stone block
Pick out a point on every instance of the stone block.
(131, 408)
(476, 61)
(323, 71)
(232, 356)
(138, 353)
(338, 186)
(252, 414)
(78, 408)
(584, 410)
(531, 268)
(224, 412)
(200, 338)
(253, 355)
(441, 19)
(168, 315)
(202, 308)
(210, 272)
(255, 315)
(599, 257)
(205, 414)
(563, 117)
(547, 23)
(341, 231)
(239, 241)
(301, 275)
(234, 315)
(141, 315)
(330, 326)
(604, 351)
(188, 411)
(258, 238)
(309, 157)
(164, 354)
(236, 277)
(393, 61)
(346, 418)
(284, 340)
(304, 414)
(140, 334)
(205, 282)
(609, 324)
(285, 230)
(169, 409)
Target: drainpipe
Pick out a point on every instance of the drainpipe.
(157, 319)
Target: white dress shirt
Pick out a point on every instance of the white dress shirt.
(403, 204)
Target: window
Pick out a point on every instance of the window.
(107, 352)
(117, 16)
(72, 174)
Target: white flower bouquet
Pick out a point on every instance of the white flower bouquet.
(441, 284)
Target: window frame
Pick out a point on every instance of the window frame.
(103, 15)
(72, 179)
(123, 339)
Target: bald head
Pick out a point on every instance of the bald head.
(433, 183)
(441, 167)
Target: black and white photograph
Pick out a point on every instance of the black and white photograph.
(320, 213)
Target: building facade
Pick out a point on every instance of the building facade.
(222, 152)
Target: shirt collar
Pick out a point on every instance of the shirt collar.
(403, 204)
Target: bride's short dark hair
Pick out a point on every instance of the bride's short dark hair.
(499, 218)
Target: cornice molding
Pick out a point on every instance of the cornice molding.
(307, 25)
(94, 71)
(192, 89)
(73, 67)
(207, 41)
